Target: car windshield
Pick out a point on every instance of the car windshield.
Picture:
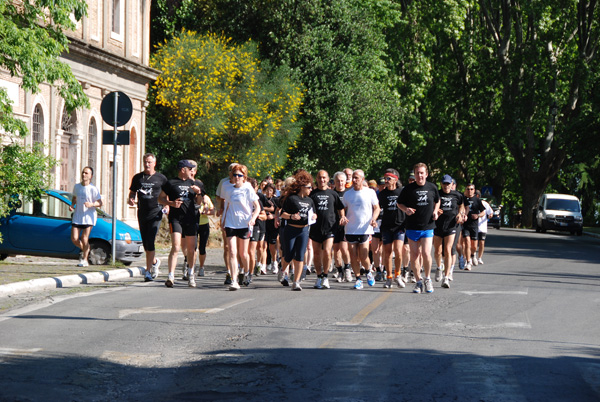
(563, 205)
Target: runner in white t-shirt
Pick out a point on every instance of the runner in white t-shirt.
(362, 211)
(481, 235)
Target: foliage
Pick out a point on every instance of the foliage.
(493, 92)
(225, 104)
(24, 172)
(31, 40)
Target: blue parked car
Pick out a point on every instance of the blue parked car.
(43, 228)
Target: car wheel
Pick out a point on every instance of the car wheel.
(128, 263)
(580, 233)
(3, 257)
(99, 253)
(536, 226)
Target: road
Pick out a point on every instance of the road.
(522, 327)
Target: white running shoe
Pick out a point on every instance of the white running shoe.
(480, 261)
(234, 286)
(468, 266)
(155, 271)
(428, 285)
(201, 272)
(474, 261)
(446, 283)
(317, 283)
(450, 277)
(296, 286)
(438, 274)
(325, 283)
(399, 282)
(280, 275)
(347, 275)
(83, 263)
(192, 281)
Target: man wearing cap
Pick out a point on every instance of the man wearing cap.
(392, 228)
(420, 201)
(451, 214)
(181, 194)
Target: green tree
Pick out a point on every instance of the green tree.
(32, 37)
(336, 49)
(226, 105)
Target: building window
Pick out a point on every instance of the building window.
(117, 20)
(37, 129)
(92, 142)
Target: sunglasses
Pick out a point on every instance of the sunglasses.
(389, 178)
(238, 175)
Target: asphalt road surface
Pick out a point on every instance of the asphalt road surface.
(522, 327)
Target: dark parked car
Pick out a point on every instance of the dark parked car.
(43, 228)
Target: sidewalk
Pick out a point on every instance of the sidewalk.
(24, 274)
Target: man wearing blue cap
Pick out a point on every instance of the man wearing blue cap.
(451, 214)
(181, 194)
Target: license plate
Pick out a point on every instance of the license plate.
(141, 249)
(562, 223)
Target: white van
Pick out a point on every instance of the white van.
(558, 212)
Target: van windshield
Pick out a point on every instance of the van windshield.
(563, 205)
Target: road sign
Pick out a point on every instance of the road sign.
(487, 191)
(108, 137)
(123, 112)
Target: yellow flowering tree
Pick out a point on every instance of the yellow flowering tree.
(224, 104)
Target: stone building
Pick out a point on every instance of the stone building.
(109, 51)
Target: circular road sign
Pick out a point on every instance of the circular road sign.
(124, 109)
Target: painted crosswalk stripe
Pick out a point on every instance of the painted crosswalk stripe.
(156, 310)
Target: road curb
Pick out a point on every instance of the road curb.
(591, 234)
(70, 280)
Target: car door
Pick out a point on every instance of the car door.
(43, 225)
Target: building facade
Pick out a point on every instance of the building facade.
(109, 51)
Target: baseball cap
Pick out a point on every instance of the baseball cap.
(184, 163)
(381, 180)
(411, 176)
(447, 179)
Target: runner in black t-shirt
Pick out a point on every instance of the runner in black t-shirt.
(341, 254)
(146, 187)
(330, 210)
(471, 226)
(257, 237)
(271, 232)
(452, 209)
(298, 210)
(392, 228)
(420, 201)
(180, 195)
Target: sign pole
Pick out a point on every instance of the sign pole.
(114, 183)
(116, 110)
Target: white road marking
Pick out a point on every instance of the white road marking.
(451, 325)
(495, 292)
(156, 310)
(9, 353)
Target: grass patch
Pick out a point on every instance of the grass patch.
(592, 229)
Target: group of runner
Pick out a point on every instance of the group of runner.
(376, 234)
